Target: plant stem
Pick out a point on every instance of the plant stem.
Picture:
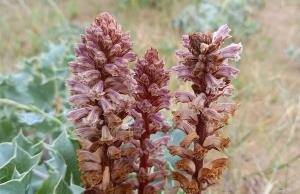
(202, 133)
(31, 108)
(145, 156)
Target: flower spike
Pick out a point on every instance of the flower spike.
(101, 92)
(151, 97)
(206, 65)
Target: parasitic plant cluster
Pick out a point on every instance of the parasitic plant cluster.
(116, 111)
(206, 65)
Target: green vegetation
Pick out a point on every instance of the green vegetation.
(208, 15)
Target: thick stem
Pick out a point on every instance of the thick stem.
(145, 156)
(202, 133)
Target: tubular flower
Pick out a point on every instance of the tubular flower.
(101, 92)
(206, 65)
(151, 97)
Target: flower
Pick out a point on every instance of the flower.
(101, 92)
(205, 64)
(151, 97)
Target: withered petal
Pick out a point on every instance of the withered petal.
(199, 151)
(199, 102)
(216, 142)
(184, 97)
(186, 165)
(129, 152)
(154, 187)
(91, 178)
(106, 135)
(121, 170)
(89, 166)
(180, 151)
(213, 171)
(105, 179)
(185, 114)
(87, 132)
(124, 136)
(113, 152)
(190, 187)
(84, 155)
(185, 126)
(186, 142)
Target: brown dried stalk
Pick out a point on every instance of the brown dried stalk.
(205, 65)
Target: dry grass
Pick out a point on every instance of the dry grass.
(266, 129)
(265, 132)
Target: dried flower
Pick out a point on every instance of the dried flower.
(151, 97)
(101, 92)
(205, 65)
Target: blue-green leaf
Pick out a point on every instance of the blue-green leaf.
(29, 118)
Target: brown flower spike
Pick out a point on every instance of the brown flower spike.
(151, 97)
(205, 65)
(101, 92)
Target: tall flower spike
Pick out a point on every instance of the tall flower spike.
(205, 65)
(101, 92)
(151, 97)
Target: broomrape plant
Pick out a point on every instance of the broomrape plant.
(205, 65)
(117, 110)
(151, 97)
(101, 92)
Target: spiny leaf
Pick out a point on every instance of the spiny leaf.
(24, 161)
(65, 147)
(16, 186)
(6, 153)
(56, 174)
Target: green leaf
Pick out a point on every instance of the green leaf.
(6, 161)
(29, 118)
(76, 189)
(42, 99)
(48, 185)
(16, 186)
(6, 153)
(16, 174)
(8, 129)
(39, 175)
(24, 161)
(7, 170)
(57, 172)
(66, 148)
(22, 141)
(62, 187)
(55, 53)
(15, 161)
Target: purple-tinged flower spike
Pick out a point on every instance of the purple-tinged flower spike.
(206, 65)
(101, 93)
(151, 97)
